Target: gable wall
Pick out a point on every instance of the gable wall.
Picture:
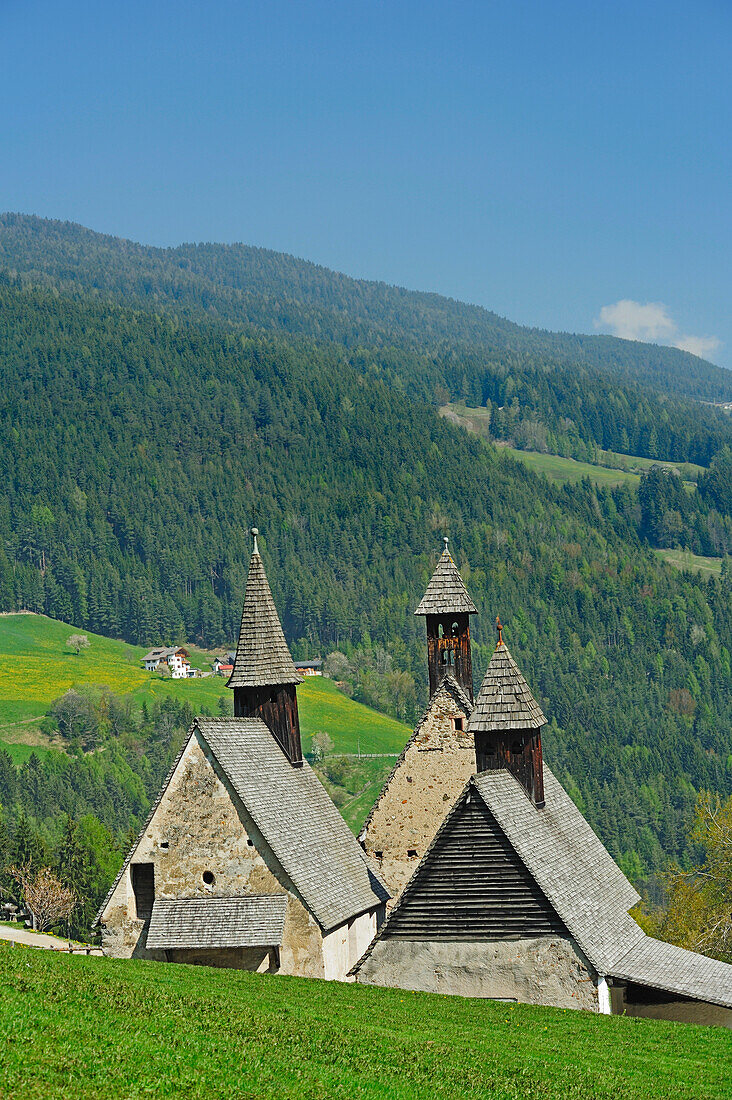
(207, 829)
(435, 767)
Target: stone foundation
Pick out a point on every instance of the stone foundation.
(546, 970)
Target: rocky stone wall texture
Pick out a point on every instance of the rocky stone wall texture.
(200, 827)
(544, 970)
(425, 785)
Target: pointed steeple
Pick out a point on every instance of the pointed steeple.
(264, 678)
(262, 655)
(506, 723)
(448, 607)
(446, 593)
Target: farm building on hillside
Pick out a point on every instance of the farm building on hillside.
(176, 658)
(244, 860)
(516, 898)
(310, 668)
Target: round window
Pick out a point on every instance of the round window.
(209, 878)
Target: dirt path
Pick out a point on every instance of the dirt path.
(39, 939)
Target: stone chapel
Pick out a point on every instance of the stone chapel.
(502, 890)
(244, 861)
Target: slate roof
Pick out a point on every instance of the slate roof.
(571, 865)
(446, 593)
(505, 701)
(257, 920)
(461, 697)
(262, 656)
(586, 888)
(297, 819)
(651, 962)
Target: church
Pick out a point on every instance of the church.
(511, 894)
(244, 861)
(475, 874)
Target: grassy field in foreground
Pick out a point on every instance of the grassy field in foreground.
(92, 1028)
(684, 559)
(36, 666)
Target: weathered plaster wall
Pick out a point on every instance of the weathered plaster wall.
(261, 959)
(203, 825)
(546, 970)
(427, 781)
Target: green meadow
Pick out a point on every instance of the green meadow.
(611, 468)
(696, 563)
(37, 666)
(95, 1028)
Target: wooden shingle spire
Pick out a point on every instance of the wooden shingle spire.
(446, 593)
(447, 608)
(506, 723)
(262, 655)
(264, 677)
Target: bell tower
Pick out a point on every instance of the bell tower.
(507, 722)
(447, 608)
(265, 679)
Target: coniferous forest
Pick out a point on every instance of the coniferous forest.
(156, 403)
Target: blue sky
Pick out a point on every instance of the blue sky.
(565, 164)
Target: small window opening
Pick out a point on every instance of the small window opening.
(164, 843)
(143, 886)
(379, 855)
(250, 843)
(455, 630)
(440, 630)
(412, 853)
(459, 724)
(209, 878)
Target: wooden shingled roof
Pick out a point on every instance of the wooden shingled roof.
(262, 655)
(256, 920)
(446, 593)
(504, 701)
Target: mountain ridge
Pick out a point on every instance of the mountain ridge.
(244, 278)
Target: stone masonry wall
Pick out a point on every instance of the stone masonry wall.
(436, 765)
(544, 970)
(200, 826)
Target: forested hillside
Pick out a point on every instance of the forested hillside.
(139, 447)
(560, 392)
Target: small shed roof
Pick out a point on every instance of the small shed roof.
(257, 920)
(262, 656)
(505, 701)
(446, 593)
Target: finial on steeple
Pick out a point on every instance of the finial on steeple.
(255, 532)
(499, 628)
(445, 539)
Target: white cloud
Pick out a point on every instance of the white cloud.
(651, 322)
(699, 345)
(635, 321)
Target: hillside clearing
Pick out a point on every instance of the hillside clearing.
(684, 559)
(96, 1028)
(36, 667)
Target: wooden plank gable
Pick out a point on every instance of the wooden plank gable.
(472, 885)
